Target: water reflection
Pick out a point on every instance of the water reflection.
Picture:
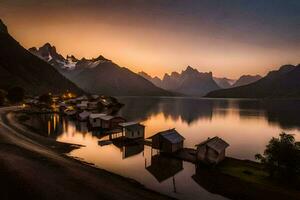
(163, 168)
(284, 113)
(247, 125)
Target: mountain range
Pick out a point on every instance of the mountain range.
(245, 80)
(284, 82)
(28, 69)
(224, 82)
(99, 75)
(189, 82)
(18, 67)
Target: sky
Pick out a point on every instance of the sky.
(227, 37)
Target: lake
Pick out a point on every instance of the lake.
(247, 125)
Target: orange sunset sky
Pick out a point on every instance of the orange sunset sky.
(229, 38)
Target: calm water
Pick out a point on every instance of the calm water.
(247, 125)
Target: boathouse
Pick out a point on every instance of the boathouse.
(168, 141)
(92, 105)
(83, 105)
(110, 122)
(105, 121)
(95, 120)
(212, 150)
(132, 130)
(83, 115)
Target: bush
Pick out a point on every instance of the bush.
(15, 94)
(282, 157)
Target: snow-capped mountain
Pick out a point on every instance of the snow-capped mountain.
(99, 75)
(48, 53)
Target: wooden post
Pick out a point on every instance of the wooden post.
(174, 185)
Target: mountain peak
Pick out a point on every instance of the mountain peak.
(72, 58)
(100, 58)
(190, 69)
(48, 47)
(3, 27)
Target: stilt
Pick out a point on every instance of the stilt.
(174, 185)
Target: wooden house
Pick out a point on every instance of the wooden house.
(132, 130)
(212, 150)
(83, 105)
(110, 122)
(92, 105)
(84, 115)
(95, 120)
(168, 141)
(69, 112)
(105, 121)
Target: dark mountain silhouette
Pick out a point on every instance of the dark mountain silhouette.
(189, 82)
(99, 75)
(155, 80)
(246, 79)
(284, 82)
(18, 67)
(224, 82)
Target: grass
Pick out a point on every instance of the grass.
(253, 172)
(246, 170)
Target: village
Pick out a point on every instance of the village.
(98, 115)
(167, 153)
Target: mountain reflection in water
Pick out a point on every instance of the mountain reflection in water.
(284, 113)
(247, 125)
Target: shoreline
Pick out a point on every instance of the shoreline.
(244, 174)
(40, 152)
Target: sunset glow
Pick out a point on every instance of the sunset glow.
(227, 38)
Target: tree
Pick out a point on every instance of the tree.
(15, 94)
(281, 157)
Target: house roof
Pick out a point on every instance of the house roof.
(106, 117)
(96, 115)
(126, 124)
(216, 143)
(171, 135)
(84, 114)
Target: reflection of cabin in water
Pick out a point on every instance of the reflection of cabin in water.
(212, 150)
(168, 141)
(132, 130)
(163, 168)
(132, 149)
(82, 126)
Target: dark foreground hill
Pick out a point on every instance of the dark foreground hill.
(283, 83)
(18, 67)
